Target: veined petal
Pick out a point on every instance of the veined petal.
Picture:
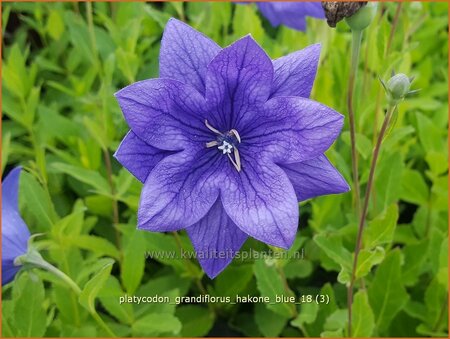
(15, 233)
(179, 191)
(261, 201)
(8, 270)
(295, 72)
(138, 157)
(315, 177)
(291, 14)
(10, 188)
(285, 14)
(216, 240)
(239, 79)
(313, 9)
(292, 129)
(166, 114)
(185, 54)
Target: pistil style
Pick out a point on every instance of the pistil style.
(226, 143)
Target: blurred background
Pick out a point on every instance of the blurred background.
(61, 65)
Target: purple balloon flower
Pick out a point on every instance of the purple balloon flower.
(291, 14)
(15, 233)
(227, 143)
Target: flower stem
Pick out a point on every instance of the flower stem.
(386, 54)
(356, 44)
(115, 205)
(33, 258)
(393, 27)
(363, 216)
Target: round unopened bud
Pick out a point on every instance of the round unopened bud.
(398, 87)
(363, 17)
(415, 8)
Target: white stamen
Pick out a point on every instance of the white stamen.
(212, 128)
(211, 144)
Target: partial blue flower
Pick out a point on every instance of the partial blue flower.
(291, 14)
(15, 233)
(227, 142)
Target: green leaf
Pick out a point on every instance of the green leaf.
(331, 244)
(307, 315)
(133, 263)
(363, 143)
(332, 334)
(270, 284)
(269, 323)
(55, 25)
(246, 21)
(367, 259)
(79, 36)
(380, 231)
(156, 324)
(94, 286)
(414, 188)
(8, 330)
(337, 320)
(363, 321)
(442, 275)
(164, 248)
(430, 136)
(99, 246)
(92, 178)
(38, 203)
(14, 73)
(109, 296)
(436, 298)
(387, 181)
(415, 259)
(6, 149)
(197, 321)
(387, 295)
(233, 280)
(301, 268)
(438, 162)
(29, 319)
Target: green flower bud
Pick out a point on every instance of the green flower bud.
(397, 88)
(363, 17)
(398, 85)
(415, 8)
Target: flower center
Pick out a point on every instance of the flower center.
(227, 144)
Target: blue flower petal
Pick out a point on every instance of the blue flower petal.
(15, 233)
(261, 201)
(315, 177)
(216, 240)
(291, 14)
(180, 190)
(295, 72)
(138, 157)
(8, 271)
(166, 114)
(239, 79)
(292, 129)
(185, 54)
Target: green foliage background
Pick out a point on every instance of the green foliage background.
(62, 64)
